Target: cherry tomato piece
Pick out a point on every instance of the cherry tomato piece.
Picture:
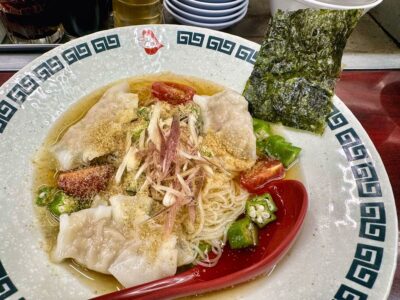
(171, 92)
(263, 172)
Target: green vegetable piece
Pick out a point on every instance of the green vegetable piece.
(131, 190)
(144, 113)
(204, 247)
(133, 187)
(261, 129)
(45, 195)
(287, 154)
(297, 66)
(206, 152)
(138, 129)
(261, 210)
(278, 147)
(266, 198)
(242, 233)
(63, 204)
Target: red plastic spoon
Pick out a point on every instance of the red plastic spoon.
(235, 266)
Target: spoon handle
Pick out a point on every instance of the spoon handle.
(166, 288)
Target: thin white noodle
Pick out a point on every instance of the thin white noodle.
(218, 203)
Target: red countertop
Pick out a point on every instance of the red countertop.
(374, 98)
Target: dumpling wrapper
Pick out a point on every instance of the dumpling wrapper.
(105, 239)
(133, 268)
(130, 211)
(89, 237)
(141, 259)
(96, 133)
(225, 115)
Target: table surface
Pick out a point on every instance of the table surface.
(374, 98)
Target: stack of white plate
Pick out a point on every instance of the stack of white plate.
(214, 14)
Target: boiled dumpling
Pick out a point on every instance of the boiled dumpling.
(115, 240)
(139, 262)
(129, 211)
(226, 113)
(89, 237)
(96, 133)
(147, 255)
(227, 123)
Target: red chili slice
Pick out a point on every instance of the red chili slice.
(171, 92)
(261, 174)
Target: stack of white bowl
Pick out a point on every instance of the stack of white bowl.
(214, 14)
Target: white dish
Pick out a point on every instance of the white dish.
(208, 12)
(290, 5)
(215, 1)
(212, 6)
(216, 26)
(348, 244)
(204, 19)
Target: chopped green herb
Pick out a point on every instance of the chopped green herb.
(144, 113)
(140, 125)
(204, 247)
(206, 152)
(134, 186)
(296, 68)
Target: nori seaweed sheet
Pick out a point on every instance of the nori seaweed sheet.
(297, 66)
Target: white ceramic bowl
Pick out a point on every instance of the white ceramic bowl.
(212, 6)
(216, 26)
(215, 1)
(290, 5)
(349, 237)
(204, 19)
(208, 12)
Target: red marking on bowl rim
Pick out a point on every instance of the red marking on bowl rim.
(149, 42)
(235, 266)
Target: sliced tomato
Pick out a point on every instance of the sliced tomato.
(263, 172)
(171, 92)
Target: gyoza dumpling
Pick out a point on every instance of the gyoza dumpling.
(100, 130)
(147, 255)
(130, 211)
(140, 261)
(227, 123)
(89, 237)
(113, 239)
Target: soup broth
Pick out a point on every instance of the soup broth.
(46, 166)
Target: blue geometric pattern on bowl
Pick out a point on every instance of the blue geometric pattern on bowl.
(217, 44)
(30, 82)
(365, 266)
